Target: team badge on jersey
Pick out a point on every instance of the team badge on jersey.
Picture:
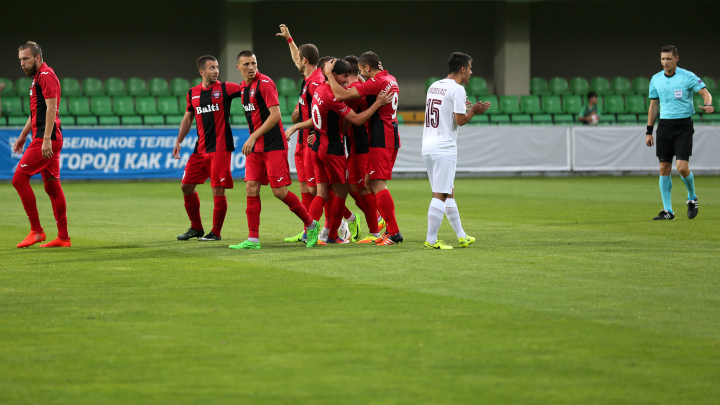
(252, 92)
(216, 94)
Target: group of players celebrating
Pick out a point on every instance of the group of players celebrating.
(348, 140)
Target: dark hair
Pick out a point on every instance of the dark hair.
(245, 54)
(309, 52)
(591, 94)
(33, 47)
(369, 59)
(203, 59)
(323, 60)
(341, 67)
(458, 61)
(669, 48)
(352, 60)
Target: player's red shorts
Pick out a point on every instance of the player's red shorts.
(299, 164)
(33, 162)
(268, 168)
(216, 165)
(357, 165)
(304, 165)
(330, 169)
(309, 162)
(381, 162)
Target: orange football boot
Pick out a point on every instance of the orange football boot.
(31, 239)
(58, 242)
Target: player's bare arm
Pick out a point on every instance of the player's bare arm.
(269, 123)
(185, 125)
(47, 151)
(296, 114)
(359, 119)
(341, 93)
(20, 143)
(285, 33)
(652, 115)
(707, 108)
(303, 125)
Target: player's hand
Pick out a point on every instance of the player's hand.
(289, 132)
(248, 147)
(284, 32)
(329, 67)
(480, 107)
(176, 150)
(468, 105)
(19, 145)
(649, 140)
(47, 151)
(384, 98)
(380, 66)
(311, 137)
(707, 109)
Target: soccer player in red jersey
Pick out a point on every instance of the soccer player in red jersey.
(384, 137)
(266, 150)
(43, 154)
(331, 119)
(208, 104)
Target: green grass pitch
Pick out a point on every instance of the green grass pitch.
(571, 295)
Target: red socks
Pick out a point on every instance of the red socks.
(57, 198)
(327, 208)
(336, 216)
(386, 206)
(219, 214)
(307, 200)
(21, 182)
(370, 210)
(297, 208)
(253, 216)
(316, 208)
(192, 206)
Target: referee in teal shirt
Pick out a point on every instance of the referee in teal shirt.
(672, 89)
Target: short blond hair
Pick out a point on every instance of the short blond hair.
(33, 47)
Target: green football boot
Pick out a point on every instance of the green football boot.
(312, 235)
(466, 241)
(246, 245)
(296, 238)
(440, 244)
(355, 229)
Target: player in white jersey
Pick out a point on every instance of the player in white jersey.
(447, 108)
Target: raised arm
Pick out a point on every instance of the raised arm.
(285, 33)
(341, 93)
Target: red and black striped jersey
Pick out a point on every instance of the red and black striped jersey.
(45, 85)
(257, 98)
(327, 116)
(383, 124)
(358, 138)
(309, 85)
(212, 119)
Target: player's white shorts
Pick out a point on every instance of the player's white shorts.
(441, 172)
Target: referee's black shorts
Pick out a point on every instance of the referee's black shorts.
(674, 138)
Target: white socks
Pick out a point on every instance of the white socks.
(453, 215)
(435, 217)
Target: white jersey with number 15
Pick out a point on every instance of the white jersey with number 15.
(444, 98)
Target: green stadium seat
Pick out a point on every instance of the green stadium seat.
(552, 105)
(614, 104)
(716, 104)
(131, 120)
(579, 86)
(154, 120)
(115, 87)
(285, 108)
(607, 119)
(26, 106)
(494, 105)
(137, 87)
(572, 104)
(69, 87)
(539, 86)
(239, 120)
(158, 87)
(600, 85)
(400, 119)
(711, 119)
(429, 81)
(627, 119)
(500, 119)
(299, 84)
(22, 86)
(564, 119)
(477, 86)
(636, 104)
(480, 119)
(559, 86)
(86, 120)
(173, 119)
(63, 109)
(709, 83)
(146, 106)
(124, 106)
(93, 87)
(9, 87)
(287, 121)
(641, 86)
(237, 109)
(697, 102)
(101, 106)
(621, 85)
(12, 106)
(194, 82)
(169, 106)
(3, 121)
(509, 105)
(109, 120)
(67, 121)
(521, 119)
(542, 119)
(530, 104)
(17, 120)
(79, 106)
(179, 86)
(286, 87)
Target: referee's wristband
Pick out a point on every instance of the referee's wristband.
(649, 130)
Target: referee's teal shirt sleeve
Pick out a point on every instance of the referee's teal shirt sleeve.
(653, 92)
(695, 82)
